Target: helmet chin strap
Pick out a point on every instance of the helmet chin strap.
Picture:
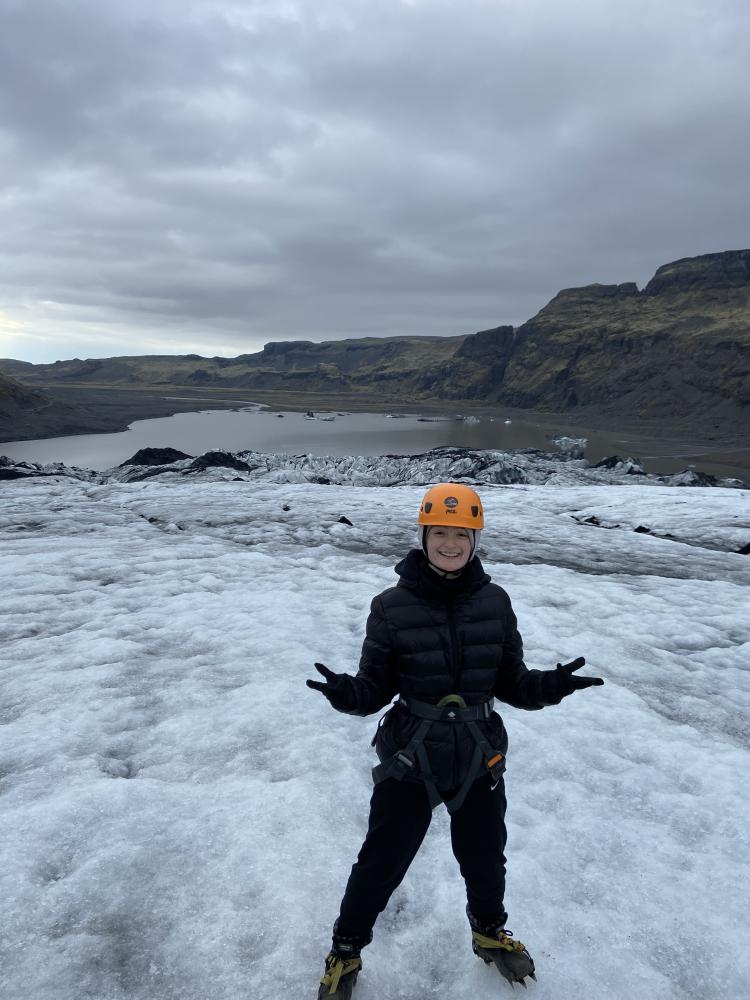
(444, 573)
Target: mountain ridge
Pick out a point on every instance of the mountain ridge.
(678, 349)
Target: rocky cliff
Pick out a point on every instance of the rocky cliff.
(680, 345)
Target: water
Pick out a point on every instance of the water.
(348, 434)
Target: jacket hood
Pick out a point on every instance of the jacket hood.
(415, 572)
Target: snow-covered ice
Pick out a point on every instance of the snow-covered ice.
(447, 463)
(180, 813)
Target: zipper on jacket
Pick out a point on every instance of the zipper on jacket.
(455, 650)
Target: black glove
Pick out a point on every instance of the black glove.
(338, 688)
(559, 683)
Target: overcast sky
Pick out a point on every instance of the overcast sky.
(192, 176)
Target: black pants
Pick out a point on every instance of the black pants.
(399, 817)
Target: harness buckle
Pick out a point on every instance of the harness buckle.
(403, 759)
(451, 704)
(496, 766)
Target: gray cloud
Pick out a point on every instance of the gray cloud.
(212, 175)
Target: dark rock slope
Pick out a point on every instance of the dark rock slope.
(18, 403)
(679, 347)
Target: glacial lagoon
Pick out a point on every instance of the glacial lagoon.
(329, 433)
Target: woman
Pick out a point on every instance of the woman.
(445, 640)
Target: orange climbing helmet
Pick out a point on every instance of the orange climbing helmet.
(452, 504)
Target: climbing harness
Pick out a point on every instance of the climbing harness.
(452, 709)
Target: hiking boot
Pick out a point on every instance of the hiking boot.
(339, 977)
(342, 965)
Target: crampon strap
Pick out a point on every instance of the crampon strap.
(503, 940)
(336, 969)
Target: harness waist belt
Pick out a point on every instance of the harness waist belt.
(449, 712)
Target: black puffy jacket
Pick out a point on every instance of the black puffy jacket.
(428, 637)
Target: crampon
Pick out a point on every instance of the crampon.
(510, 957)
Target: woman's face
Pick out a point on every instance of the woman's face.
(448, 548)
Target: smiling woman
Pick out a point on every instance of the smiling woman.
(445, 642)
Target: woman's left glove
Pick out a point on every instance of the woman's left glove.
(559, 683)
(338, 688)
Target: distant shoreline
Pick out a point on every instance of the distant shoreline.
(102, 409)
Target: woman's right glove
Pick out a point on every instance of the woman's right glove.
(338, 688)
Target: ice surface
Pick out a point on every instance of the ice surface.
(439, 464)
(180, 813)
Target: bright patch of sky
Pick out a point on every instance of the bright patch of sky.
(180, 812)
(207, 177)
